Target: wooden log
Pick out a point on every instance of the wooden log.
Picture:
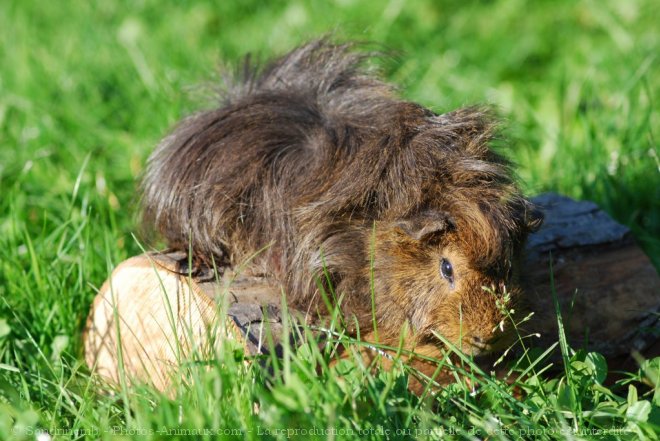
(163, 318)
(158, 318)
(607, 289)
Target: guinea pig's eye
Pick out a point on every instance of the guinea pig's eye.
(447, 270)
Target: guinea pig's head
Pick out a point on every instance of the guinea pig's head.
(451, 276)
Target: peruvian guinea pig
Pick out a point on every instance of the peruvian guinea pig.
(406, 218)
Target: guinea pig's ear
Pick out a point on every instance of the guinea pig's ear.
(426, 225)
(533, 218)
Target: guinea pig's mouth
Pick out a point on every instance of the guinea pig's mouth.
(495, 344)
(473, 345)
(482, 346)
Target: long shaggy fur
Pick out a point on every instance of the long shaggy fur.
(306, 157)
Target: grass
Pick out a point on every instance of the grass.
(88, 88)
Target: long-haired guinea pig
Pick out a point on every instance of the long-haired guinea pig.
(314, 165)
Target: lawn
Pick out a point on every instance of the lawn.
(87, 89)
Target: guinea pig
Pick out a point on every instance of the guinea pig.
(315, 171)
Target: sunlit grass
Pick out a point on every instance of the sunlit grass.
(88, 88)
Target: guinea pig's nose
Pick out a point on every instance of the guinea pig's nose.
(486, 344)
(478, 342)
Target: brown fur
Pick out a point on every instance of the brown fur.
(317, 160)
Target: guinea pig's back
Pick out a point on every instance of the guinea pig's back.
(227, 181)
